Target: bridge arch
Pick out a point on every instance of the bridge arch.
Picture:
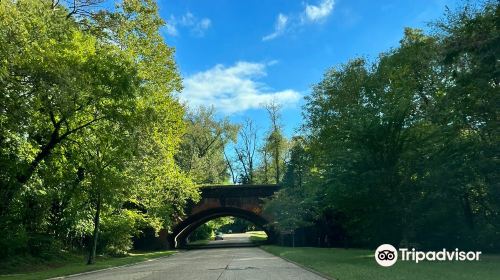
(241, 201)
(182, 231)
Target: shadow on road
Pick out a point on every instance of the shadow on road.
(231, 240)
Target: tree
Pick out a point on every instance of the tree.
(163, 188)
(245, 151)
(106, 152)
(78, 8)
(275, 143)
(406, 143)
(294, 206)
(263, 173)
(89, 125)
(207, 230)
(45, 101)
(201, 153)
(368, 125)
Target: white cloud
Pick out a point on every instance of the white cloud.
(170, 29)
(234, 89)
(279, 27)
(317, 13)
(311, 14)
(188, 20)
(205, 23)
(201, 26)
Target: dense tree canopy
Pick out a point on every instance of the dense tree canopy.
(89, 125)
(405, 150)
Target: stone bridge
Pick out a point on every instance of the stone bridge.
(242, 201)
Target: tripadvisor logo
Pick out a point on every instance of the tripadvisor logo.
(387, 255)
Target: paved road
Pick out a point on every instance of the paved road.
(233, 238)
(248, 263)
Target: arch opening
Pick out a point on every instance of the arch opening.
(184, 229)
(226, 231)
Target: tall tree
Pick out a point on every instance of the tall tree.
(78, 83)
(105, 153)
(406, 143)
(201, 153)
(275, 143)
(245, 151)
(294, 206)
(77, 92)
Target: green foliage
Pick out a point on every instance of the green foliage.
(203, 232)
(209, 229)
(403, 150)
(118, 230)
(89, 127)
(14, 241)
(257, 237)
(201, 152)
(294, 206)
(237, 225)
(43, 246)
(274, 149)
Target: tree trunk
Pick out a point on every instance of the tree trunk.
(233, 177)
(266, 168)
(469, 216)
(45, 151)
(277, 162)
(93, 246)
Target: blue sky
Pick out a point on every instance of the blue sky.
(239, 54)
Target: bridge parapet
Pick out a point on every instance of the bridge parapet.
(245, 197)
(238, 190)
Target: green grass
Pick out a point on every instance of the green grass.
(257, 236)
(199, 242)
(346, 264)
(66, 264)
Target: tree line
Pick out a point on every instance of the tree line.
(90, 126)
(403, 149)
(95, 146)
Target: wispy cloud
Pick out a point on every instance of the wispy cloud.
(171, 29)
(234, 89)
(279, 27)
(195, 25)
(311, 14)
(315, 13)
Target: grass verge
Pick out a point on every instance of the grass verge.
(258, 237)
(350, 264)
(198, 242)
(67, 264)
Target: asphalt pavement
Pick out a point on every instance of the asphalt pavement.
(247, 263)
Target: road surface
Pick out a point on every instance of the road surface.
(240, 239)
(249, 263)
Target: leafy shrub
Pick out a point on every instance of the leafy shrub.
(14, 241)
(43, 246)
(117, 232)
